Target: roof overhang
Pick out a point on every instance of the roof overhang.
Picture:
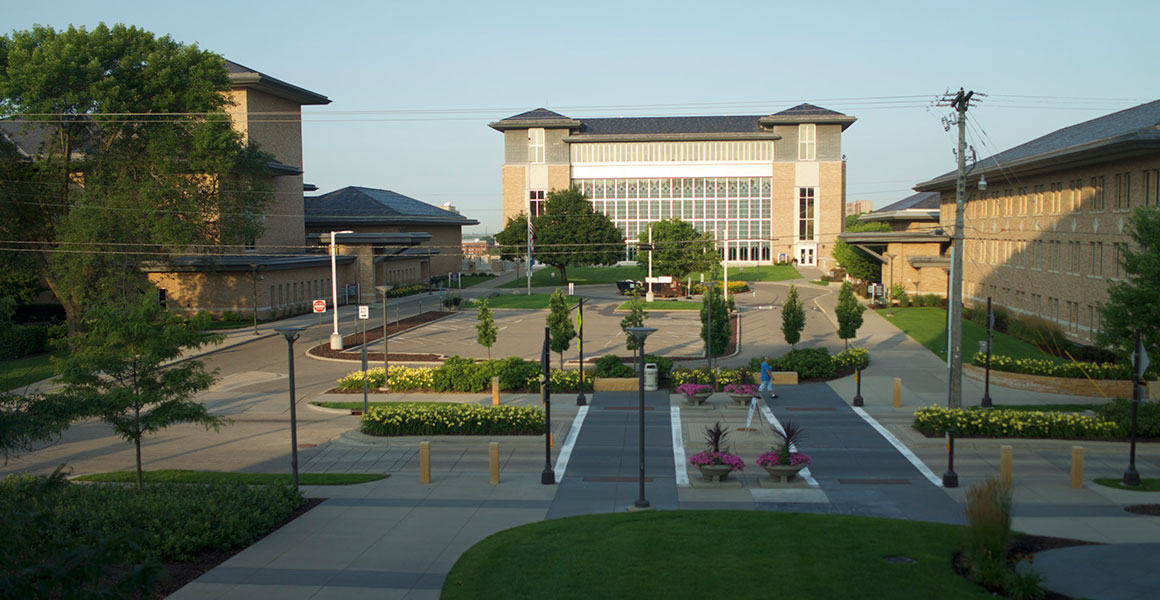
(343, 221)
(507, 124)
(671, 137)
(208, 263)
(276, 87)
(909, 214)
(407, 254)
(844, 120)
(919, 262)
(881, 238)
(371, 239)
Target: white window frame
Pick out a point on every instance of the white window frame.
(807, 141)
(536, 154)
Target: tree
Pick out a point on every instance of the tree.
(793, 317)
(512, 242)
(485, 329)
(849, 312)
(571, 234)
(560, 327)
(679, 249)
(635, 318)
(116, 370)
(1132, 301)
(857, 262)
(157, 182)
(720, 323)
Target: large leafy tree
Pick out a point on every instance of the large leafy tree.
(849, 312)
(512, 242)
(679, 249)
(560, 327)
(117, 370)
(1132, 302)
(793, 317)
(570, 234)
(857, 262)
(135, 157)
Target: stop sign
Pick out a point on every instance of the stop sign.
(320, 306)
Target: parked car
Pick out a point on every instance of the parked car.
(627, 286)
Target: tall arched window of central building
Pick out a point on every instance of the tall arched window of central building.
(807, 141)
(535, 146)
(806, 214)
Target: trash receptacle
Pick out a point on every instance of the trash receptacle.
(650, 377)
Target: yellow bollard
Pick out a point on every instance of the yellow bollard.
(424, 462)
(495, 391)
(1076, 467)
(551, 441)
(1005, 454)
(897, 392)
(493, 462)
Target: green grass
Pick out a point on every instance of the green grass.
(183, 476)
(470, 280)
(666, 305)
(713, 554)
(768, 273)
(20, 372)
(1147, 484)
(579, 276)
(927, 325)
(819, 282)
(1049, 407)
(358, 405)
(535, 301)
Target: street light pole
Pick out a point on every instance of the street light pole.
(986, 401)
(649, 295)
(335, 337)
(640, 333)
(548, 476)
(291, 334)
(383, 289)
(709, 325)
(254, 302)
(580, 400)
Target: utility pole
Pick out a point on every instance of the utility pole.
(960, 102)
(649, 279)
(529, 269)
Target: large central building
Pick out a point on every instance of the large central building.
(769, 188)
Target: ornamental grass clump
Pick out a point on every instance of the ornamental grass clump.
(989, 540)
(713, 455)
(453, 419)
(784, 452)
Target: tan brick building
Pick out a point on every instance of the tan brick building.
(915, 248)
(768, 187)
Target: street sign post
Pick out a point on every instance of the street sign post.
(364, 312)
(320, 306)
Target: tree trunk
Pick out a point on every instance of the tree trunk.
(140, 475)
(72, 310)
(561, 360)
(563, 273)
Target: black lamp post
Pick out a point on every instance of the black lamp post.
(383, 289)
(1139, 365)
(548, 476)
(709, 324)
(640, 333)
(580, 400)
(254, 302)
(291, 334)
(986, 401)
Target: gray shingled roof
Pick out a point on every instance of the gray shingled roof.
(370, 203)
(655, 125)
(539, 113)
(241, 75)
(1141, 121)
(921, 200)
(808, 110)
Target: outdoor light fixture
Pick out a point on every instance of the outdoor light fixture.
(335, 337)
(639, 334)
(291, 334)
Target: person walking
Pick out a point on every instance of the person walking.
(766, 378)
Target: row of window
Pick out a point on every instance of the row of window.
(1049, 255)
(670, 152)
(698, 187)
(290, 294)
(1074, 317)
(1054, 199)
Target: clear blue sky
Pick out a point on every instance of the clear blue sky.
(476, 62)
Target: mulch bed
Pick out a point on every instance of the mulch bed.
(181, 573)
(1023, 546)
(1152, 510)
(376, 334)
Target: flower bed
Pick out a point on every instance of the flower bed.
(453, 419)
(981, 422)
(1054, 368)
(464, 375)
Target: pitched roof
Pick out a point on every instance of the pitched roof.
(539, 113)
(658, 125)
(1137, 124)
(362, 204)
(921, 200)
(807, 109)
(743, 125)
(242, 76)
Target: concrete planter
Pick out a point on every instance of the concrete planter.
(697, 399)
(714, 472)
(784, 473)
(740, 399)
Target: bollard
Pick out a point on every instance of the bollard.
(950, 479)
(424, 462)
(1076, 467)
(897, 392)
(1005, 453)
(493, 462)
(858, 393)
(495, 391)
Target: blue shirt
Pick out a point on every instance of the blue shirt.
(766, 372)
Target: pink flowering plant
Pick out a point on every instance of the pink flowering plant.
(713, 455)
(692, 389)
(785, 451)
(741, 389)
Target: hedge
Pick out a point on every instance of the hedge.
(458, 374)
(21, 340)
(983, 422)
(1054, 368)
(453, 419)
(406, 290)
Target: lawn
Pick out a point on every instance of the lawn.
(713, 554)
(20, 372)
(767, 273)
(1147, 484)
(470, 280)
(927, 325)
(535, 301)
(666, 305)
(183, 476)
(579, 276)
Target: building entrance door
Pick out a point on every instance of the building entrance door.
(807, 255)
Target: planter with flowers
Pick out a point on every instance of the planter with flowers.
(741, 393)
(695, 393)
(783, 461)
(713, 463)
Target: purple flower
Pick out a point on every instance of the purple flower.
(741, 389)
(717, 458)
(690, 389)
(791, 459)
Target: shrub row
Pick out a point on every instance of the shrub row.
(453, 419)
(22, 340)
(458, 374)
(171, 522)
(611, 365)
(982, 422)
(1053, 368)
(406, 290)
(736, 287)
(811, 363)
(1119, 411)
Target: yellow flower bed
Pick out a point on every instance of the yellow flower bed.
(984, 422)
(453, 419)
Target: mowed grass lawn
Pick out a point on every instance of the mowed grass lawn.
(927, 325)
(20, 372)
(470, 280)
(713, 554)
(535, 301)
(203, 477)
(765, 272)
(666, 305)
(579, 276)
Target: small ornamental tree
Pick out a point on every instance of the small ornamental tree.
(849, 312)
(560, 327)
(635, 318)
(117, 370)
(1132, 301)
(793, 317)
(720, 323)
(485, 329)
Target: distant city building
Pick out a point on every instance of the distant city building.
(857, 207)
(477, 248)
(767, 187)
